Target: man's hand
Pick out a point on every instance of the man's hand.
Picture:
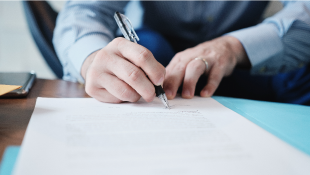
(118, 72)
(222, 55)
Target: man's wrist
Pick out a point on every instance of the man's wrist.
(87, 63)
(238, 51)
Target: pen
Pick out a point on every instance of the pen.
(129, 33)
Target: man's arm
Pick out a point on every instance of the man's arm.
(82, 28)
(114, 70)
(280, 43)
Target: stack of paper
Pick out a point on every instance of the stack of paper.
(197, 136)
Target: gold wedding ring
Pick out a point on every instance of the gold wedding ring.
(206, 63)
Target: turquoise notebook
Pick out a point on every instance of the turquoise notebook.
(289, 122)
(8, 160)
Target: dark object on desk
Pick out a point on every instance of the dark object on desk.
(41, 19)
(24, 79)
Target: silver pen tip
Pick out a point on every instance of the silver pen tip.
(164, 99)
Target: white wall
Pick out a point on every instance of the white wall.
(18, 51)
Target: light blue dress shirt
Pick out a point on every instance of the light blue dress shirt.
(280, 43)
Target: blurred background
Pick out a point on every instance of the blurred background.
(18, 51)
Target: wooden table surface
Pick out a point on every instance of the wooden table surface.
(15, 113)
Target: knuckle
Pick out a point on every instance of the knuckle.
(180, 67)
(222, 66)
(117, 41)
(101, 77)
(125, 93)
(213, 84)
(158, 74)
(222, 62)
(212, 53)
(178, 56)
(187, 50)
(105, 56)
(91, 73)
(212, 87)
(134, 74)
(102, 53)
(90, 90)
(196, 65)
(91, 77)
(144, 56)
(94, 77)
(214, 78)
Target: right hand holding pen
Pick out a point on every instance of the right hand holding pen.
(114, 73)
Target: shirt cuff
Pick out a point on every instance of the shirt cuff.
(260, 42)
(81, 49)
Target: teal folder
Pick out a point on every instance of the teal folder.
(289, 122)
(9, 159)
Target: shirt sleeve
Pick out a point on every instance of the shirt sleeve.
(82, 28)
(280, 43)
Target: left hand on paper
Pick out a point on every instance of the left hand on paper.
(222, 55)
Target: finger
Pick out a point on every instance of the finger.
(132, 76)
(176, 71)
(141, 57)
(183, 57)
(194, 70)
(215, 76)
(98, 92)
(117, 88)
(172, 82)
(103, 95)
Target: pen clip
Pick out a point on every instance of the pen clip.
(126, 27)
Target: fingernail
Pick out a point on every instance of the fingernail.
(186, 93)
(160, 82)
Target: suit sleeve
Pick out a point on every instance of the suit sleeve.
(280, 43)
(83, 27)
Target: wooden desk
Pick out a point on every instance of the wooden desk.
(15, 113)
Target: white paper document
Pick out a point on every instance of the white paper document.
(195, 137)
